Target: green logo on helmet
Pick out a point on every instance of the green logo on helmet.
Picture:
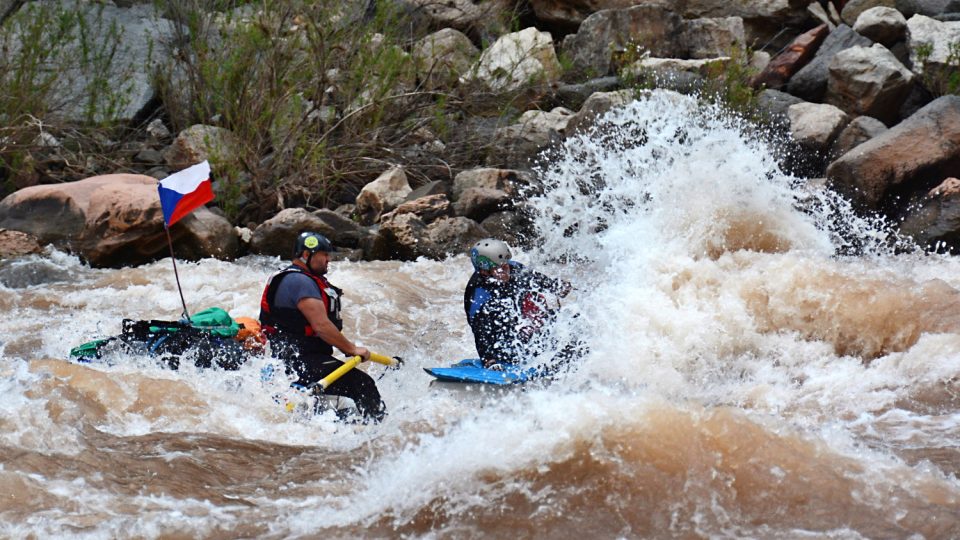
(311, 242)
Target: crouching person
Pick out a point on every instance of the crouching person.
(300, 314)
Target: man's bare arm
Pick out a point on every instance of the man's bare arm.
(316, 314)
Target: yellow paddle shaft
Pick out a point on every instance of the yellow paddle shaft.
(325, 382)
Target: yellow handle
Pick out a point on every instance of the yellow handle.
(381, 359)
(325, 382)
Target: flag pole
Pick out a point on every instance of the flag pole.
(185, 314)
(181, 193)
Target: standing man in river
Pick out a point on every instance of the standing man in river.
(300, 314)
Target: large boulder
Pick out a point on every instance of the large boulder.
(810, 83)
(517, 60)
(930, 8)
(479, 203)
(869, 81)
(106, 62)
(911, 157)
(513, 227)
(114, 220)
(277, 235)
(762, 19)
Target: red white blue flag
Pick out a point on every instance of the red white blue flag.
(184, 192)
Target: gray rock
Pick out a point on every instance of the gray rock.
(133, 31)
(857, 132)
(595, 106)
(505, 180)
(518, 144)
(198, 143)
(939, 38)
(929, 8)
(382, 195)
(882, 24)
(810, 82)
(870, 81)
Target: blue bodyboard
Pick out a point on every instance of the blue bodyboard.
(471, 370)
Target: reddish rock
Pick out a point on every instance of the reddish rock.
(114, 220)
(797, 54)
(911, 157)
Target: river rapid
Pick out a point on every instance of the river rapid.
(761, 364)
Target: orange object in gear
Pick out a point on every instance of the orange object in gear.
(250, 334)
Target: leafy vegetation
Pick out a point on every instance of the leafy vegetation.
(940, 80)
(320, 99)
(58, 76)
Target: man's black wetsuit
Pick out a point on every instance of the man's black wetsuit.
(304, 353)
(497, 312)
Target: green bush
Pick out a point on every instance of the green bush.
(941, 80)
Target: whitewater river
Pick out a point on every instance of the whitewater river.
(752, 373)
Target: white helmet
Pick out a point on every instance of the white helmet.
(489, 253)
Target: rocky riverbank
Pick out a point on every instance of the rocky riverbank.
(418, 141)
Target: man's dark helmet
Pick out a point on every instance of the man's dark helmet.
(312, 242)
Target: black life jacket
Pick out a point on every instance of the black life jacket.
(288, 325)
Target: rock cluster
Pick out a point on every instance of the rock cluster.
(859, 85)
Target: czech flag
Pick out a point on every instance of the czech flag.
(185, 191)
